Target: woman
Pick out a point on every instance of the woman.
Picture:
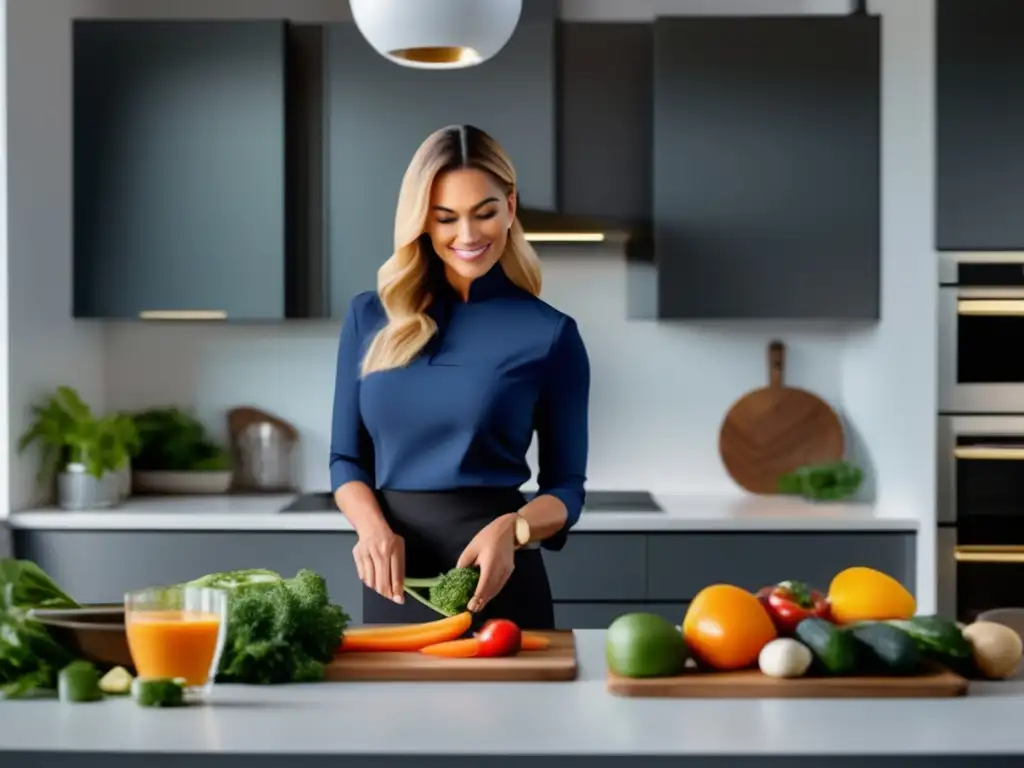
(444, 373)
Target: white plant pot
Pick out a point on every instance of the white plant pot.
(168, 482)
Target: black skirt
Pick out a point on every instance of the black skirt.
(437, 527)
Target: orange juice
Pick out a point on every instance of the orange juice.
(173, 643)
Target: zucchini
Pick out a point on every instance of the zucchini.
(940, 640)
(886, 649)
(116, 682)
(835, 650)
(936, 636)
(158, 692)
(79, 682)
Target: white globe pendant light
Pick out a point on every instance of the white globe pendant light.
(437, 34)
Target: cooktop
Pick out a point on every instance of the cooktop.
(597, 501)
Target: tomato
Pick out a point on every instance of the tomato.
(499, 637)
(726, 627)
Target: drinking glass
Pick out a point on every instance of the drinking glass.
(177, 632)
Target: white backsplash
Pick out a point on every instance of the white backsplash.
(659, 391)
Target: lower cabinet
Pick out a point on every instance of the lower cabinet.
(99, 566)
(597, 577)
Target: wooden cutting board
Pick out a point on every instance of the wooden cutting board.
(752, 684)
(556, 663)
(776, 429)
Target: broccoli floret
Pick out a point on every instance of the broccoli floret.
(279, 630)
(449, 593)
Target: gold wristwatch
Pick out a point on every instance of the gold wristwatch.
(522, 531)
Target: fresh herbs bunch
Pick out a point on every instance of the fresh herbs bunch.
(67, 432)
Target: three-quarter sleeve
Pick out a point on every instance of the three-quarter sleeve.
(562, 425)
(351, 447)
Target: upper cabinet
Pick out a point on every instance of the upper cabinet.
(766, 167)
(378, 113)
(604, 122)
(980, 122)
(179, 169)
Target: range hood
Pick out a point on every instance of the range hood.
(552, 228)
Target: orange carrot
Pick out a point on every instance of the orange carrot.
(465, 648)
(406, 637)
(534, 642)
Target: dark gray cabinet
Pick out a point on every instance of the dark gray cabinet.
(597, 577)
(766, 167)
(604, 123)
(980, 121)
(378, 114)
(179, 168)
(679, 565)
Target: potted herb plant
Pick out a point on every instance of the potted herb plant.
(88, 456)
(177, 455)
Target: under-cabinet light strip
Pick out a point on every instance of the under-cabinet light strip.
(565, 237)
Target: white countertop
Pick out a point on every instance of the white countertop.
(263, 513)
(520, 718)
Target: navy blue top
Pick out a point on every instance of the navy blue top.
(462, 414)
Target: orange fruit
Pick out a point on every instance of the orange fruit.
(726, 627)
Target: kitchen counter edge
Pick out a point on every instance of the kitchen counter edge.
(263, 513)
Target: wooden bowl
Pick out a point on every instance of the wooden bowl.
(95, 633)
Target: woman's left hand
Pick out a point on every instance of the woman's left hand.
(493, 550)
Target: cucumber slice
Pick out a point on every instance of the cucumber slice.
(158, 692)
(79, 682)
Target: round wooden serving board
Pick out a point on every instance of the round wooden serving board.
(777, 429)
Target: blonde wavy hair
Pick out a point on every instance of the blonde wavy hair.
(402, 281)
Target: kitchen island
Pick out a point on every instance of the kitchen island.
(662, 559)
(536, 724)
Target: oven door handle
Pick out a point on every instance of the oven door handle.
(989, 554)
(993, 302)
(990, 452)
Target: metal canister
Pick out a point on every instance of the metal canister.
(267, 456)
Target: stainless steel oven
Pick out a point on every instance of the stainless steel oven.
(980, 514)
(981, 332)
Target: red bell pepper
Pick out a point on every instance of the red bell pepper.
(790, 602)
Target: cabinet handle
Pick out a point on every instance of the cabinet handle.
(988, 554)
(183, 314)
(990, 452)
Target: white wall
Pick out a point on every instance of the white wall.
(660, 390)
(889, 372)
(47, 348)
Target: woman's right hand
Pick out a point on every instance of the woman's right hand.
(380, 561)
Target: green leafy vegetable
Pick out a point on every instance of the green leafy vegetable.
(279, 630)
(23, 584)
(830, 481)
(30, 659)
(173, 439)
(449, 593)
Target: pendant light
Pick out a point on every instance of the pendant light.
(437, 34)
